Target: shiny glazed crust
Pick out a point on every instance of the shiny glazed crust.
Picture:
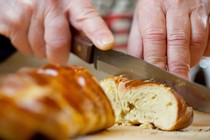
(56, 102)
(127, 93)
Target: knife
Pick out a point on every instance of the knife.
(118, 63)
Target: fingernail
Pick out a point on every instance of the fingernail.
(106, 42)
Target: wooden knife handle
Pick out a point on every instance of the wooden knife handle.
(82, 46)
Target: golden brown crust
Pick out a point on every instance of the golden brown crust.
(55, 101)
(184, 116)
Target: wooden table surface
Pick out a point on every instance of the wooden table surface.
(199, 130)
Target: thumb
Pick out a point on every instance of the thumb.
(84, 17)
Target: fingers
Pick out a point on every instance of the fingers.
(57, 37)
(36, 37)
(178, 39)
(199, 34)
(84, 17)
(153, 30)
(15, 23)
(135, 47)
(207, 50)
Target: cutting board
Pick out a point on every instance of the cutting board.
(199, 130)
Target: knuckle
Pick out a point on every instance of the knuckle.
(177, 38)
(157, 61)
(198, 38)
(17, 20)
(198, 41)
(155, 34)
(178, 66)
(86, 14)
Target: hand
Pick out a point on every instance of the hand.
(42, 27)
(171, 34)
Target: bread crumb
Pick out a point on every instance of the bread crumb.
(147, 126)
(143, 126)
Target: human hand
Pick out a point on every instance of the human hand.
(171, 34)
(42, 27)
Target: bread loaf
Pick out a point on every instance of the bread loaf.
(138, 102)
(56, 102)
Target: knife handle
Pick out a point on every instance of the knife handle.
(82, 46)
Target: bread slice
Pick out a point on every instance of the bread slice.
(138, 102)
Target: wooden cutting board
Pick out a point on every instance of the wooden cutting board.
(199, 130)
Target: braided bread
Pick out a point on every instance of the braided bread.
(138, 102)
(55, 102)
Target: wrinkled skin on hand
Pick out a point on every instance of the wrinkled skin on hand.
(171, 34)
(42, 27)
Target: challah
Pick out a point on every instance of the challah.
(56, 102)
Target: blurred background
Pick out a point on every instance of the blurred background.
(201, 73)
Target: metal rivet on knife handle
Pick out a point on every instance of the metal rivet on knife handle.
(82, 47)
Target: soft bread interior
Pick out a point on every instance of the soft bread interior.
(146, 105)
(138, 102)
(111, 90)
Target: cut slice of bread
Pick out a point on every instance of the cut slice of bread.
(139, 102)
